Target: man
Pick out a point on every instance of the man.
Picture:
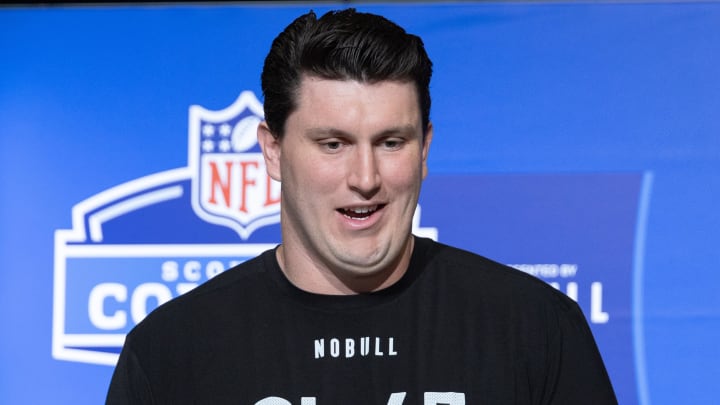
(351, 308)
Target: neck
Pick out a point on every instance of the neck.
(306, 274)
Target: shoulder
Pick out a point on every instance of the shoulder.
(208, 300)
(487, 280)
(508, 301)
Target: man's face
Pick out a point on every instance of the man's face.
(351, 163)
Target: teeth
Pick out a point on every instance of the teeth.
(363, 210)
(359, 212)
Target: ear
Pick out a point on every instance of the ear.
(426, 149)
(270, 146)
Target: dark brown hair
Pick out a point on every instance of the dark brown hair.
(341, 45)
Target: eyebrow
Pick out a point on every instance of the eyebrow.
(335, 132)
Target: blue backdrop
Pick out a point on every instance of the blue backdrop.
(577, 142)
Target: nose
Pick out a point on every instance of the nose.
(363, 173)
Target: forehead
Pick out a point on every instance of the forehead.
(354, 104)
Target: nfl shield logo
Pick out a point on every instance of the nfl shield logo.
(230, 185)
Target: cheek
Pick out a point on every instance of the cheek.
(312, 176)
(403, 175)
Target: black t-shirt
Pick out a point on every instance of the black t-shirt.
(455, 329)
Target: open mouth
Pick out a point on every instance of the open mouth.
(360, 213)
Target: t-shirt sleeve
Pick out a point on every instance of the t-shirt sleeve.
(129, 384)
(579, 373)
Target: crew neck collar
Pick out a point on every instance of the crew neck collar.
(358, 301)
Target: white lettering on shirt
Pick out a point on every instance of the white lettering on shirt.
(347, 348)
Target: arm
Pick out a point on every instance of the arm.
(129, 384)
(576, 368)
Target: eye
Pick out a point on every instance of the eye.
(331, 145)
(393, 143)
